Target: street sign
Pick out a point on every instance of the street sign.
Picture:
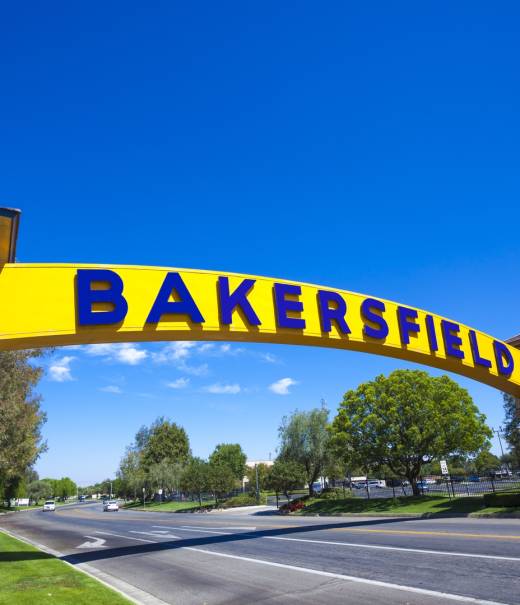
(444, 467)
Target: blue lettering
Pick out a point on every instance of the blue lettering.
(163, 306)
(238, 298)
(328, 314)
(501, 353)
(87, 297)
(406, 326)
(477, 358)
(284, 306)
(369, 308)
(452, 341)
(432, 336)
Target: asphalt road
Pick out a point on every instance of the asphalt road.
(239, 558)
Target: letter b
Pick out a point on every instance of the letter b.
(87, 297)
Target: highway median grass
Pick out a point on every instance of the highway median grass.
(426, 505)
(169, 507)
(30, 576)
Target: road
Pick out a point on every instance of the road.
(241, 558)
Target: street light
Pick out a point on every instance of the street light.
(9, 220)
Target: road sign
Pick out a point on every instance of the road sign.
(444, 467)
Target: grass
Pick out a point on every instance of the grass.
(413, 505)
(31, 576)
(167, 507)
(4, 509)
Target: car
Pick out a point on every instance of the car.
(82, 499)
(110, 505)
(49, 505)
(423, 486)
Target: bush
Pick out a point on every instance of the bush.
(505, 500)
(293, 505)
(332, 493)
(244, 500)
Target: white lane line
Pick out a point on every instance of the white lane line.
(156, 534)
(202, 531)
(247, 527)
(338, 576)
(107, 533)
(414, 550)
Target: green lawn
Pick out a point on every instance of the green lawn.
(421, 504)
(30, 576)
(166, 507)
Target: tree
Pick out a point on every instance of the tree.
(131, 474)
(163, 441)
(65, 487)
(232, 456)
(195, 479)
(165, 475)
(21, 416)
(408, 419)
(286, 475)
(512, 427)
(304, 439)
(221, 480)
(40, 490)
(263, 474)
(485, 461)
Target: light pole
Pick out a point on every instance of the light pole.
(257, 486)
(9, 221)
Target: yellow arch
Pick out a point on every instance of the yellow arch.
(39, 307)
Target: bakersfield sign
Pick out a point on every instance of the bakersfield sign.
(62, 304)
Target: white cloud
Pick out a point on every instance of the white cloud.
(180, 383)
(281, 387)
(59, 371)
(223, 389)
(122, 352)
(268, 358)
(174, 351)
(111, 388)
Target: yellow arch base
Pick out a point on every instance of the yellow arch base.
(39, 308)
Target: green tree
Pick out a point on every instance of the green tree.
(165, 475)
(304, 439)
(286, 475)
(65, 488)
(232, 456)
(263, 474)
(131, 474)
(485, 461)
(21, 417)
(40, 490)
(195, 478)
(221, 480)
(164, 441)
(512, 427)
(408, 419)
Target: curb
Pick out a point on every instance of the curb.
(128, 591)
(474, 515)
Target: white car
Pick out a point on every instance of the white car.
(110, 505)
(49, 505)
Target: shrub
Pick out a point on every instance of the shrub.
(511, 499)
(293, 505)
(243, 500)
(332, 493)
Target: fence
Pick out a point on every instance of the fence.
(456, 486)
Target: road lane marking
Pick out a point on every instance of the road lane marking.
(413, 532)
(328, 574)
(156, 534)
(107, 533)
(97, 543)
(398, 548)
(247, 527)
(202, 531)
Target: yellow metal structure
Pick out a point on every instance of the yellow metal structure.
(39, 308)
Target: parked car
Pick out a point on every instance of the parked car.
(423, 486)
(110, 505)
(49, 505)
(474, 479)
(82, 499)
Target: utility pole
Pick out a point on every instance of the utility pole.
(257, 487)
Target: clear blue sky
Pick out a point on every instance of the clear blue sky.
(371, 147)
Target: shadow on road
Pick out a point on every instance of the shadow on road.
(141, 549)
